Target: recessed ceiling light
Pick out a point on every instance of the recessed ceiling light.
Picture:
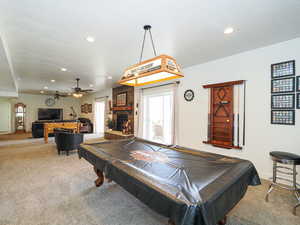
(91, 85)
(228, 30)
(52, 81)
(42, 92)
(45, 87)
(90, 39)
(63, 69)
(109, 77)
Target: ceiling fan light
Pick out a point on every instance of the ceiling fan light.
(77, 95)
(157, 69)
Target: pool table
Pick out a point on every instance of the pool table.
(188, 186)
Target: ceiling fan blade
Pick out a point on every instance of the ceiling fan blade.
(77, 89)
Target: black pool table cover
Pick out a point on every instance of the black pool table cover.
(188, 186)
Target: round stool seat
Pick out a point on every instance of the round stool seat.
(285, 157)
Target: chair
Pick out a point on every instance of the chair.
(66, 140)
(86, 125)
(288, 159)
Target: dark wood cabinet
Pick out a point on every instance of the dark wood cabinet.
(221, 116)
(20, 112)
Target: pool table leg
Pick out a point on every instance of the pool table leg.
(170, 222)
(223, 221)
(100, 178)
(108, 180)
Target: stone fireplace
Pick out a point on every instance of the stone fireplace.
(121, 119)
(124, 112)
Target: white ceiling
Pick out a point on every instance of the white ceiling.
(45, 35)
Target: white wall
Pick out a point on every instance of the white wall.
(261, 136)
(90, 99)
(34, 102)
(5, 115)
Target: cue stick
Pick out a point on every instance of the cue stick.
(244, 116)
(208, 114)
(208, 127)
(238, 118)
(233, 129)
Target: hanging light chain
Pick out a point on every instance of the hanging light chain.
(141, 56)
(147, 28)
(152, 42)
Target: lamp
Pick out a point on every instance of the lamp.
(77, 95)
(159, 68)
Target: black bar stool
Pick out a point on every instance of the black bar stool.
(290, 159)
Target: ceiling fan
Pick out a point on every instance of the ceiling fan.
(57, 95)
(78, 92)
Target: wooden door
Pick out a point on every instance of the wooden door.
(221, 130)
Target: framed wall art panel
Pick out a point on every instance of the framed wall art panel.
(298, 83)
(298, 101)
(90, 108)
(283, 101)
(284, 85)
(283, 69)
(82, 108)
(122, 99)
(284, 117)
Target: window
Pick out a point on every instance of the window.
(158, 115)
(99, 116)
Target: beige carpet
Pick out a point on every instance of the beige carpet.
(37, 186)
(6, 137)
(26, 139)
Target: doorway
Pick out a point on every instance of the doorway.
(5, 122)
(99, 117)
(158, 117)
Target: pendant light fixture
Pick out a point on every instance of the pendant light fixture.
(159, 68)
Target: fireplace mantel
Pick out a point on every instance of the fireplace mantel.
(122, 108)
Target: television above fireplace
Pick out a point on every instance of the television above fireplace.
(50, 114)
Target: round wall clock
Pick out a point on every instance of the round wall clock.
(50, 101)
(189, 95)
